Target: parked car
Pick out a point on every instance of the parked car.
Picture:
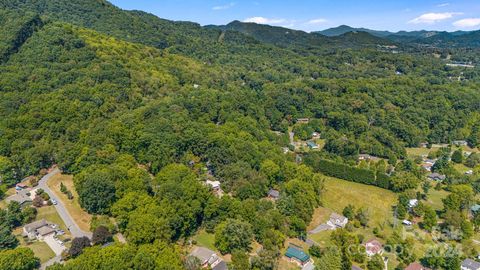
(54, 202)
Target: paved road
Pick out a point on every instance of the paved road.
(51, 262)
(62, 211)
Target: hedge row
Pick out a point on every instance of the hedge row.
(350, 173)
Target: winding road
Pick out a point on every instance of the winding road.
(72, 226)
(62, 211)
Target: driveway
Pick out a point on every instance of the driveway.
(54, 245)
(62, 211)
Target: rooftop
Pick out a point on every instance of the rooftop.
(416, 266)
(45, 230)
(203, 254)
(297, 253)
(35, 225)
(470, 264)
(274, 193)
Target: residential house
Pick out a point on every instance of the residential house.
(437, 177)
(460, 143)
(424, 144)
(20, 186)
(469, 264)
(337, 221)
(38, 229)
(22, 197)
(312, 145)
(303, 120)
(373, 247)
(215, 185)
(315, 135)
(427, 167)
(475, 208)
(296, 254)
(208, 258)
(367, 157)
(412, 203)
(273, 194)
(416, 266)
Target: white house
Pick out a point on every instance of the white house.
(337, 221)
(215, 185)
(412, 203)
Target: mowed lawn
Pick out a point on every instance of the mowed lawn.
(340, 193)
(39, 248)
(205, 239)
(81, 217)
(49, 213)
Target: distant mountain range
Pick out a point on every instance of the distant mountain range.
(434, 38)
(285, 37)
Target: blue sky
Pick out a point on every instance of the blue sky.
(312, 15)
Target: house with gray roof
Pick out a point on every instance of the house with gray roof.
(337, 221)
(437, 177)
(38, 229)
(22, 197)
(469, 264)
(208, 258)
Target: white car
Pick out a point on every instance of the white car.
(54, 202)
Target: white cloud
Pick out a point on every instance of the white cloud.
(263, 20)
(467, 23)
(317, 21)
(431, 18)
(227, 6)
(443, 5)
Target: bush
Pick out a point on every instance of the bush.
(78, 244)
(63, 188)
(38, 201)
(101, 235)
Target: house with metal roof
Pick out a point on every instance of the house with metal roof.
(469, 264)
(312, 145)
(274, 194)
(296, 254)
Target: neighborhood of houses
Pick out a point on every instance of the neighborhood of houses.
(40, 230)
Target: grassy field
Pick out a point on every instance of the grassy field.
(81, 217)
(435, 198)
(49, 213)
(205, 239)
(340, 193)
(41, 249)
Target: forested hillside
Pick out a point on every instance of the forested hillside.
(140, 109)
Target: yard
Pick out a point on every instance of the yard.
(81, 217)
(205, 239)
(49, 213)
(41, 249)
(339, 193)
